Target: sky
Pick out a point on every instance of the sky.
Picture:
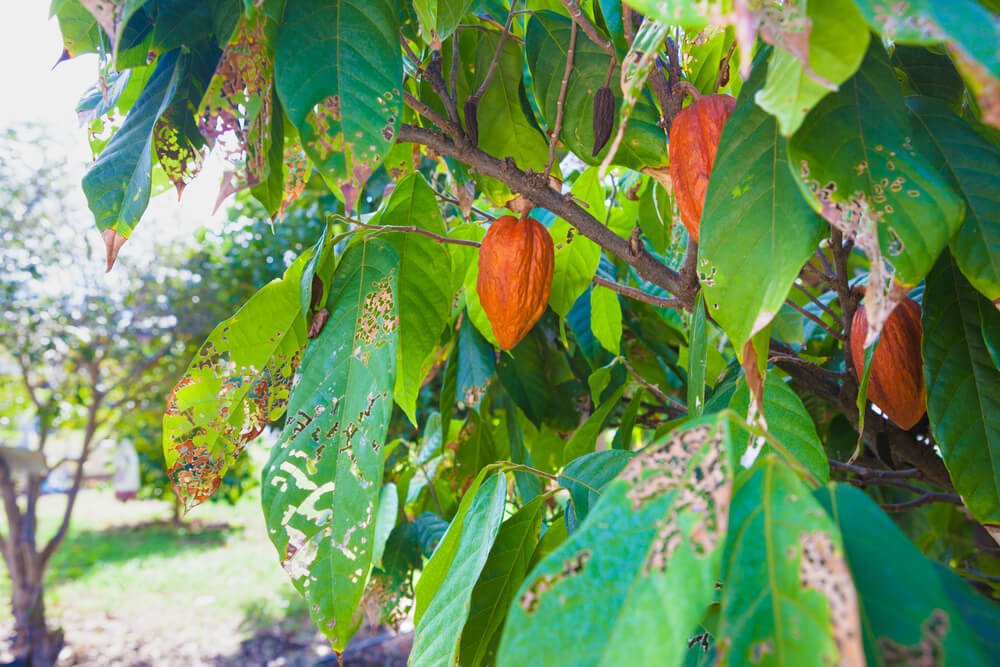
(32, 90)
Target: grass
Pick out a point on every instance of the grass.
(218, 575)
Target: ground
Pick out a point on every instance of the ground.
(129, 588)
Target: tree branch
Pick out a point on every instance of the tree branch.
(637, 294)
(413, 229)
(588, 28)
(924, 499)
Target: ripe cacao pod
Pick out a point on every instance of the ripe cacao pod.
(516, 260)
(896, 383)
(694, 140)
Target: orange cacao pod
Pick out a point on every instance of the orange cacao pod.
(694, 140)
(515, 275)
(896, 383)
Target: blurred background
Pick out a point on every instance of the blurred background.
(87, 359)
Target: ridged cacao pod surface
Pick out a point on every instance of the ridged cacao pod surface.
(516, 260)
(896, 383)
(694, 141)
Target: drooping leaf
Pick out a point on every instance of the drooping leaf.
(500, 578)
(788, 421)
(476, 364)
(756, 230)
(606, 318)
(886, 565)
(80, 30)
(238, 381)
(689, 14)
(438, 18)
(437, 635)
(787, 593)
(321, 484)
(697, 359)
(963, 386)
(585, 478)
(424, 295)
(856, 156)
(837, 44)
(339, 74)
(118, 184)
(576, 261)
(640, 572)
(546, 47)
(973, 163)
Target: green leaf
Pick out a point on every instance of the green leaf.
(640, 572)
(476, 364)
(788, 421)
(606, 318)
(584, 439)
(546, 47)
(576, 262)
(856, 157)
(972, 163)
(339, 74)
(321, 484)
(385, 520)
(80, 32)
(439, 18)
(238, 381)
(787, 593)
(118, 184)
(437, 635)
(756, 230)
(424, 289)
(437, 567)
(887, 568)
(539, 379)
(691, 15)
(585, 478)
(963, 386)
(501, 577)
(837, 44)
(930, 73)
(697, 359)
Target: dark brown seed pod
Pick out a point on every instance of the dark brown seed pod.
(471, 122)
(604, 118)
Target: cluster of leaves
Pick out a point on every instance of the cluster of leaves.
(637, 471)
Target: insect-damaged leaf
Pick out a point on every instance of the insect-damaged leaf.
(322, 482)
(237, 383)
(640, 570)
(339, 74)
(787, 594)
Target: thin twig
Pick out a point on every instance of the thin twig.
(815, 318)
(473, 209)
(637, 294)
(496, 55)
(667, 401)
(921, 500)
(436, 77)
(413, 229)
(812, 297)
(875, 473)
(588, 28)
(431, 115)
(561, 101)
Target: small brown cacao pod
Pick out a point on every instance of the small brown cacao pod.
(694, 140)
(516, 260)
(471, 110)
(896, 383)
(604, 118)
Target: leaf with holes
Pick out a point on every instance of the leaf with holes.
(118, 184)
(424, 295)
(837, 44)
(972, 162)
(756, 230)
(546, 48)
(339, 74)
(886, 568)
(787, 593)
(856, 157)
(963, 386)
(640, 571)
(322, 482)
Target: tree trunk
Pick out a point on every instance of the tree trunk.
(33, 642)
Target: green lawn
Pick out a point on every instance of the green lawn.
(217, 580)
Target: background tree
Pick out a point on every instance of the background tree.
(672, 454)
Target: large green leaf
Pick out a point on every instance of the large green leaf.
(887, 568)
(606, 318)
(756, 230)
(322, 482)
(238, 382)
(501, 577)
(437, 635)
(963, 386)
(856, 156)
(788, 421)
(339, 74)
(546, 47)
(930, 73)
(837, 44)
(585, 478)
(691, 15)
(118, 184)
(640, 571)
(79, 28)
(787, 593)
(439, 18)
(424, 284)
(973, 163)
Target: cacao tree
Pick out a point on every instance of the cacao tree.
(691, 456)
